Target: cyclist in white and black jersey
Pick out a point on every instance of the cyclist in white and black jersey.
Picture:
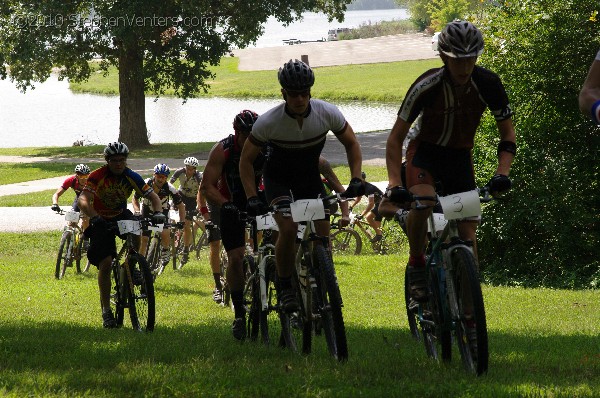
(165, 192)
(451, 101)
(189, 184)
(295, 132)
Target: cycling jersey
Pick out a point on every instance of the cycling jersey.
(188, 186)
(111, 192)
(72, 182)
(164, 193)
(293, 156)
(451, 115)
(230, 184)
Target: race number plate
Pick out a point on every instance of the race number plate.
(266, 221)
(307, 210)
(461, 205)
(129, 227)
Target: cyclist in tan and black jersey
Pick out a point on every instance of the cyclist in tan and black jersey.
(451, 101)
(189, 184)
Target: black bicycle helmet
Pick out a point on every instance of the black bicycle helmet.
(244, 120)
(115, 148)
(296, 75)
(460, 39)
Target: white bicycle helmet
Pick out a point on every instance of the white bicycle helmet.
(115, 148)
(460, 39)
(191, 161)
(82, 169)
(162, 168)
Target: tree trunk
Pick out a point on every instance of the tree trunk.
(132, 109)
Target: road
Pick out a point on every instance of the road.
(29, 219)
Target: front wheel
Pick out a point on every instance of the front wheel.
(346, 241)
(141, 294)
(329, 304)
(471, 328)
(63, 258)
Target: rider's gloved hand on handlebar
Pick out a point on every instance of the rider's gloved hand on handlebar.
(96, 227)
(256, 207)
(499, 184)
(55, 208)
(398, 195)
(158, 218)
(356, 187)
(180, 224)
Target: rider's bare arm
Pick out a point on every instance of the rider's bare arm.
(249, 154)
(393, 151)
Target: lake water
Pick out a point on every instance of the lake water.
(51, 115)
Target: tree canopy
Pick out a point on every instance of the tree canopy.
(155, 44)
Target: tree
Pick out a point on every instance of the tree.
(155, 44)
(549, 230)
(434, 14)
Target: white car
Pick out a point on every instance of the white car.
(434, 41)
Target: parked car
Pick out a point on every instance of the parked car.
(333, 34)
(434, 41)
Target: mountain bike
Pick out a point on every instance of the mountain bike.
(71, 249)
(316, 285)
(454, 310)
(153, 254)
(260, 293)
(133, 282)
(348, 240)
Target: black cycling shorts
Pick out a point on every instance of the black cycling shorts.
(190, 206)
(102, 242)
(277, 192)
(214, 233)
(449, 170)
(233, 230)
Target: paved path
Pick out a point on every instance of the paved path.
(360, 51)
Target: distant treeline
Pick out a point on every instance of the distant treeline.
(372, 5)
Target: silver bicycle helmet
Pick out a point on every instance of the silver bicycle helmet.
(115, 148)
(191, 161)
(460, 39)
(82, 169)
(296, 75)
(162, 168)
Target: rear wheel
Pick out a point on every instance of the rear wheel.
(202, 245)
(412, 310)
(78, 251)
(140, 296)
(471, 328)
(119, 296)
(153, 256)
(346, 241)
(63, 257)
(330, 304)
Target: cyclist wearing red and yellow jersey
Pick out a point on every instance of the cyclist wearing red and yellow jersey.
(75, 182)
(451, 101)
(104, 198)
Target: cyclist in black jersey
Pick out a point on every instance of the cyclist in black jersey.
(589, 96)
(165, 191)
(371, 211)
(223, 190)
(451, 101)
(295, 131)
(189, 183)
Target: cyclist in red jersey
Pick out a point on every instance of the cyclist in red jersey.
(451, 101)
(104, 198)
(589, 96)
(75, 182)
(222, 188)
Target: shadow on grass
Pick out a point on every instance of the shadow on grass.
(183, 359)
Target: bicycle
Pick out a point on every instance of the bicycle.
(454, 309)
(347, 240)
(153, 255)
(71, 248)
(260, 289)
(133, 282)
(316, 285)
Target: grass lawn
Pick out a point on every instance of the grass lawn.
(383, 82)
(543, 343)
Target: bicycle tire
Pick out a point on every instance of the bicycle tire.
(78, 252)
(346, 241)
(179, 246)
(252, 301)
(118, 298)
(201, 245)
(468, 293)
(153, 256)
(332, 303)
(441, 334)
(61, 260)
(296, 327)
(411, 310)
(173, 249)
(86, 268)
(140, 294)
